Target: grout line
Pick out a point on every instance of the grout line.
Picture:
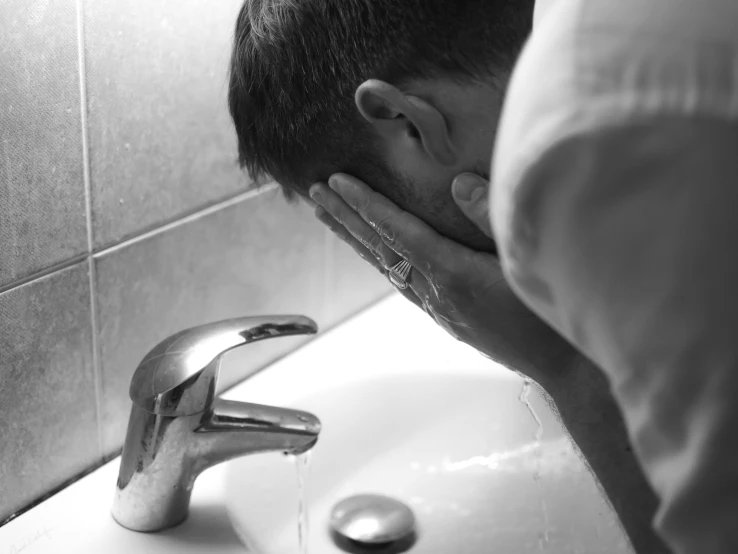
(83, 116)
(251, 193)
(61, 266)
(96, 368)
(147, 234)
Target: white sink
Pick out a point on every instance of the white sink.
(410, 413)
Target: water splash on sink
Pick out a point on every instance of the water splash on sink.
(302, 464)
(525, 399)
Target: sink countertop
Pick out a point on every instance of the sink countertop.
(78, 520)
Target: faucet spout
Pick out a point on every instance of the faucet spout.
(238, 428)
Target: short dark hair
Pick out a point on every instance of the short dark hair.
(296, 65)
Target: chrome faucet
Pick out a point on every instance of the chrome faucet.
(178, 427)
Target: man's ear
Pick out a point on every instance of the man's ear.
(405, 120)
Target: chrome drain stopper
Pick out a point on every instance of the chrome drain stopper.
(372, 521)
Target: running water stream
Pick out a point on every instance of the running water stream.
(302, 464)
(524, 398)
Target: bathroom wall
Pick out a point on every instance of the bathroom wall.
(124, 218)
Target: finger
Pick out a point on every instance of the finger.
(404, 233)
(417, 290)
(471, 194)
(353, 224)
(421, 288)
(341, 232)
(410, 295)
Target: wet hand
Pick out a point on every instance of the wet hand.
(463, 290)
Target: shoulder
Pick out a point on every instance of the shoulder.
(615, 68)
(608, 97)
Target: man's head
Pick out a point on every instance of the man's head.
(403, 94)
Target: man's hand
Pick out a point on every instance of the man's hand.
(463, 290)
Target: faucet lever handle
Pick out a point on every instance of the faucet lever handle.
(178, 376)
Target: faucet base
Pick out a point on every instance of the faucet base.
(154, 485)
(163, 455)
(145, 522)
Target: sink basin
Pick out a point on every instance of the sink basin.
(411, 413)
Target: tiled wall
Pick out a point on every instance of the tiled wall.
(123, 219)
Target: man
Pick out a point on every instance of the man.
(406, 96)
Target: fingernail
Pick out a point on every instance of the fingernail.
(338, 183)
(467, 188)
(344, 188)
(315, 195)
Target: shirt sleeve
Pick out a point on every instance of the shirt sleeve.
(617, 222)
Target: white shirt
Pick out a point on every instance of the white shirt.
(615, 207)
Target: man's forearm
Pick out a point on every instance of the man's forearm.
(594, 421)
